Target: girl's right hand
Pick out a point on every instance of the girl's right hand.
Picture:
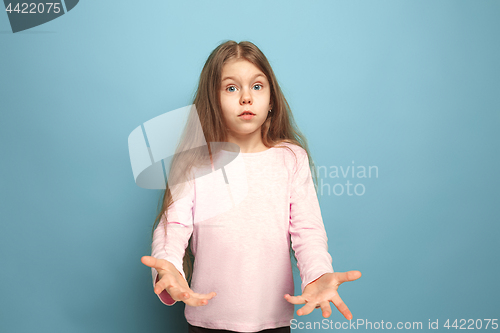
(171, 280)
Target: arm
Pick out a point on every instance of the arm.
(171, 238)
(306, 228)
(319, 282)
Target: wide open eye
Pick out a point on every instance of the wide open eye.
(231, 88)
(259, 86)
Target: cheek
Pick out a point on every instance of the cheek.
(227, 106)
(265, 98)
(228, 99)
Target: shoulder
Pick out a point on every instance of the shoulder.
(292, 148)
(294, 154)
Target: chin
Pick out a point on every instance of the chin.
(245, 130)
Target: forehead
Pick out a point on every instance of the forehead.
(241, 69)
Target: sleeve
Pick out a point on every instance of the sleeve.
(171, 237)
(306, 228)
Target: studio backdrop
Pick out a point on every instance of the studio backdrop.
(399, 101)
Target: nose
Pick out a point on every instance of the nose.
(246, 98)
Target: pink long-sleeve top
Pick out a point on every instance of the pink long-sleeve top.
(241, 219)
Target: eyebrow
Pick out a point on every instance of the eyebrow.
(232, 78)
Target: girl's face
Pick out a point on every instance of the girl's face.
(244, 88)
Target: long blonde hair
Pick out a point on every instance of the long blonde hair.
(279, 127)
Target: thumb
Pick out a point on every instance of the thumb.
(348, 276)
(152, 262)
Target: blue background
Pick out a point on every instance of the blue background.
(411, 87)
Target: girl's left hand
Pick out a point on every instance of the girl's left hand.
(322, 291)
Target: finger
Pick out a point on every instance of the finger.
(325, 308)
(152, 262)
(348, 276)
(306, 309)
(196, 299)
(340, 305)
(204, 296)
(166, 284)
(193, 301)
(188, 296)
(295, 299)
(181, 294)
(171, 286)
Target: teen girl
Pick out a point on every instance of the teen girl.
(241, 280)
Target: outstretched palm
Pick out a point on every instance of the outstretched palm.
(322, 291)
(174, 283)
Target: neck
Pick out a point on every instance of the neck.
(248, 143)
